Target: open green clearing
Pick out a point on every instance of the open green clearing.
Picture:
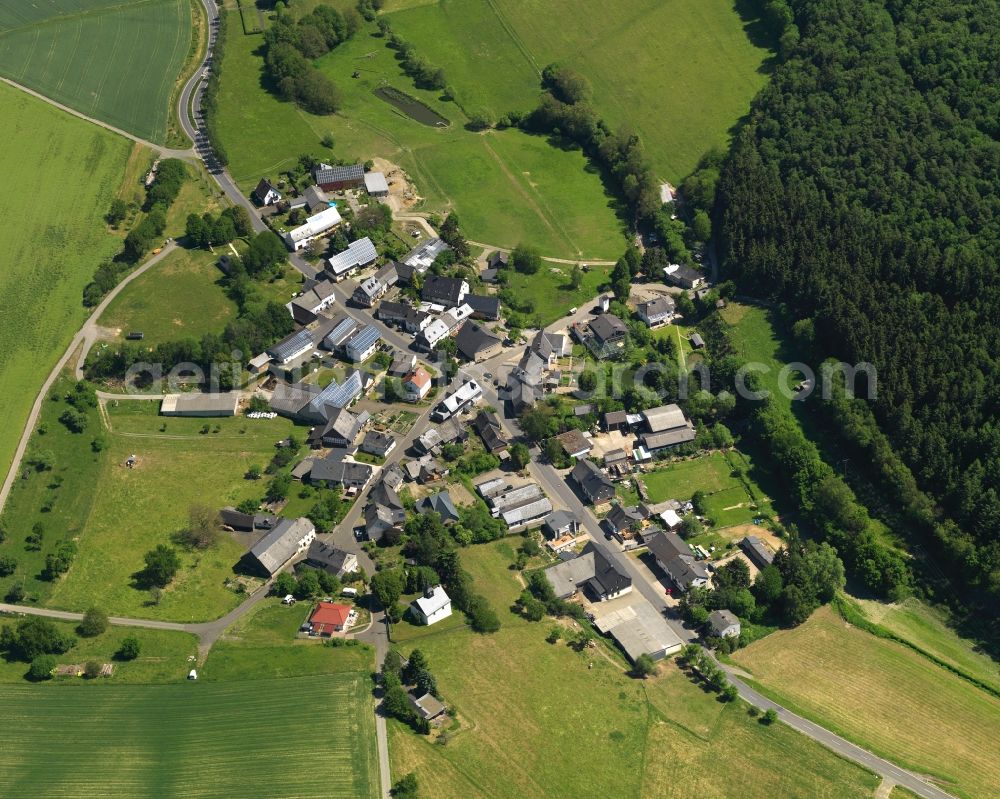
(301, 736)
(113, 60)
(134, 509)
(178, 298)
(507, 187)
(884, 697)
(535, 718)
(550, 293)
(163, 656)
(681, 72)
(61, 174)
(926, 627)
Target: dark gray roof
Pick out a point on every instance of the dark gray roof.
(275, 548)
(447, 290)
(326, 556)
(336, 470)
(498, 258)
(559, 520)
(607, 579)
(473, 339)
(335, 174)
(442, 504)
(484, 305)
(377, 442)
(608, 327)
(592, 480)
(756, 550)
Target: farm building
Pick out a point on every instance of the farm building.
(338, 178)
(432, 607)
(288, 538)
(376, 184)
(757, 551)
(314, 226)
(640, 630)
(224, 404)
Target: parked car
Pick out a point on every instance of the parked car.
(288, 600)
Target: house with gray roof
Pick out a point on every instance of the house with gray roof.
(591, 571)
(378, 443)
(442, 504)
(359, 254)
(675, 558)
(334, 470)
(724, 624)
(328, 558)
(593, 482)
(288, 538)
(476, 343)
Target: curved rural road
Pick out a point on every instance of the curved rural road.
(164, 152)
(85, 338)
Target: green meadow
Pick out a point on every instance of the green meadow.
(61, 174)
(112, 60)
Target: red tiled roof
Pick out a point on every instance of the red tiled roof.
(419, 377)
(329, 615)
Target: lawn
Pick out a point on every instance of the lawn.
(884, 697)
(302, 736)
(135, 509)
(507, 187)
(180, 297)
(927, 628)
(49, 161)
(681, 72)
(549, 291)
(115, 61)
(163, 656)
(535, 715)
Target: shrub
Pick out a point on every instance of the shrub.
(41, 668)
(129, 649)
(95, 622)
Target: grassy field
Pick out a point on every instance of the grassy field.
(507, 187)
(180, 297)
(680, 72)
(115, 61)
(302, 736)
(926, 627)
(541, 720)
(163, 657)
(550, 292)
(885, 697)
(135, 509)
(49, 161)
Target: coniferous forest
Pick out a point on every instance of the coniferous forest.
(864, 192)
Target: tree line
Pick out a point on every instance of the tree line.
(863, 193)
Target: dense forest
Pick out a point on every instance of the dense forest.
(864, 192)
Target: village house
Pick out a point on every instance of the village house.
(369, 291)
(604, 335)
(329, 618)
(441, 504)
(335, 471)
(359, 254)
(384, 510)
(328, 558)
(657, 312)
(591, 571)
(363, 344)
(446, 291)
(683, 276)
(487, 425)
(477, 343)
(378, 443)
(286, 539)
(724, 624)
(265, 194)
(676, 559)
(417, 384)
(306, 308)
(595, 485)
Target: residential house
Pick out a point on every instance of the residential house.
(393, 477)
(417, 384)
(433, 438)
(315, 226)
(426, 469)
(329, 618)
(603, 335)
(344, 327)
(378, 443)
(724, 624)
(427, 706)
(315, 198)
(595, 485)
(575, 444)
(402, 364)
(334, 470)
(432, 607)
(483, 306)
(286, 539)
(487, 425)
(387, 274)
(442, 504)
(477, 343)
(423, 255)
(363, 344)
(676, 559)
(376, 184)
(328, 558)
(265, 194)
(560, 523)
(550, 347)
(446, 291)
(307, 307)
(359, 254)
(369, 291)
(624, 522)
(592, 571)
(338, 178)
(498, 259)
(384, 510)
(343, 428)
(657, 312)
(683, 276)
(461, 398)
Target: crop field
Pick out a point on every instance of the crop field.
(61, 174)
(178, 298)
(507, 187)
(254, 738)
(884, 697)
(926, 627)
(534, 715)
(135, 509)
(112, 60)
(681, 72)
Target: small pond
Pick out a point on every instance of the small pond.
(412, 107)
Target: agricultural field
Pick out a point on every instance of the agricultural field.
(300, 736)
(134, 509)
(927, 628)
(681, 72)
(47, 158)
(883, 696)
(178, 298)
(163, 657)
(507, 187)
(534, 714)
(114, 61)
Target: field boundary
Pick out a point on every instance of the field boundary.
(852, 614)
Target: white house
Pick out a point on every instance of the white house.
(314, 226)
(417, 384)
(724, 624)
(433, 606)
